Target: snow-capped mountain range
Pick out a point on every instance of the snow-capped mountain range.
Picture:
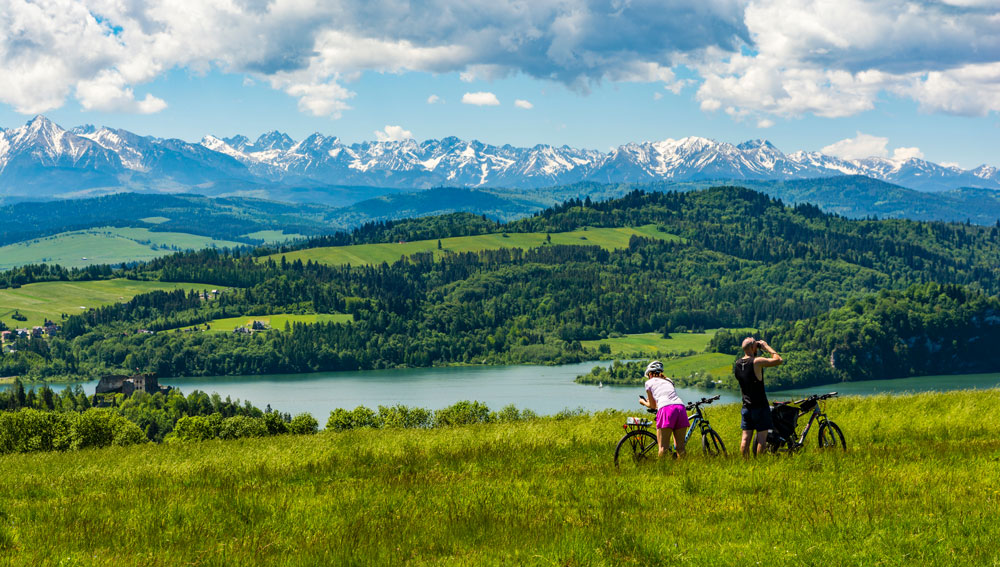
(42, 159)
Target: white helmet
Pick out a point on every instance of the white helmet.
(655, 366)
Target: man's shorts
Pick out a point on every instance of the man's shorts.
(756, 419)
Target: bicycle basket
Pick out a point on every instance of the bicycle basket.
(785, 419)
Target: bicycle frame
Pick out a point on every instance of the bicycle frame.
(816, 415)
(698, 421)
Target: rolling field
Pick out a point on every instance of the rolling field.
(102, 246)
(542, 492)
(646, 344)
(51, 299)
(277, 321)
(273, 235)
(359, 254)
(714, 363)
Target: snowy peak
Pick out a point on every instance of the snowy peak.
(89, 156)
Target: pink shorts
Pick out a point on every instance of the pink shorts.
(672, 417)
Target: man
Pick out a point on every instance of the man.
(756, 413)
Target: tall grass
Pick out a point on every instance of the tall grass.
(917, 486)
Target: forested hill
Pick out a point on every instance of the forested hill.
(734, 258)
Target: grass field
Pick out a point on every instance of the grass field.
(273, 235)
(102, 246)
(277, 321)
(907, 492)
(51, 299)
(647, 344)
(608, 238)
(716, 364)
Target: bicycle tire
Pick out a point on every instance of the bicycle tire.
(830, 436)
(711, 444)
(635, 449)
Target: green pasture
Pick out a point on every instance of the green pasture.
(713, 363)
(648, 344)
(273, 235)
(917, 486)
(359, 254)
(102, 246)
(276, 321)
(155, 220)
(39, 301)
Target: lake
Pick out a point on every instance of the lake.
(543, 389)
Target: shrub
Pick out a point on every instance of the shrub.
(194, 428)
(342, 420)
(303, 424)
(240, 426)
(404, 417)
(507, 414)
(32, 430)
(462, 413)
(274, 424)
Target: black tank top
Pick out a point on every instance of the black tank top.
(752, 388)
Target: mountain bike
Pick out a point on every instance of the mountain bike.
(639, 445)
(785, 416)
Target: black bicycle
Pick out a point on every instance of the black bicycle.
(785, 416)
(639, 444)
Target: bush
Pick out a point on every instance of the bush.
(303, 424)
(274, 424)
(462, 413)
(507, 414)
(240, 426)
(195, 428)
(342, 420)
(401, 416)
(32, 430)
(101, 428)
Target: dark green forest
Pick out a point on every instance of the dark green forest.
(743, 260)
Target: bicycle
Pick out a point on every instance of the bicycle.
(639, 444)
(785, 416)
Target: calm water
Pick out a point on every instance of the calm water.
(543, 389)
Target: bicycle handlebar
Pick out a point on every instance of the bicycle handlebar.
(703, 401)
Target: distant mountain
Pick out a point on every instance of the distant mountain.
(42, 159)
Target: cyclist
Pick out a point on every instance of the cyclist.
(756, 413)
(671, 414)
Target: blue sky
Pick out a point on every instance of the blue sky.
(856, 78)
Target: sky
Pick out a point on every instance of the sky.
(852, 78)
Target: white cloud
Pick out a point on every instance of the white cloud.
(829, 58)
(393, 134)
(765, 123)
(480, 99)
(903, 154)
(108, 93)
(434, 99)
(657, 96)
(859, 147)
(523, 104)
(865, 145)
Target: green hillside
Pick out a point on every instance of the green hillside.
(49, 300)
(536, 492)
(105, 245)
(360, 254)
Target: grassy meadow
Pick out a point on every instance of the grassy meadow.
(917, 486)
(51, 299)
(273, 235)
(106, 245)
(648, 344)
(276, 321)
(360, 254)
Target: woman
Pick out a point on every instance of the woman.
(671, 414)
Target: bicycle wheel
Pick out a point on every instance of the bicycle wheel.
(830, 436)
(711, 443)
(635, 449)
